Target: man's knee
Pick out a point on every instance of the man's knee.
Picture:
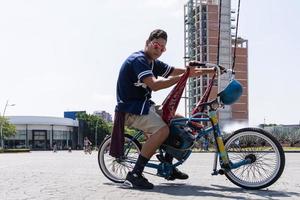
(164, 131)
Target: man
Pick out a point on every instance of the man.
(137, 79)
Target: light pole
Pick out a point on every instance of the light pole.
(2, 123)
(96, 133)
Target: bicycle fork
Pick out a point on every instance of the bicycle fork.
(225, 163)
(220, 148)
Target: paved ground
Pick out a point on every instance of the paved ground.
(63, 175)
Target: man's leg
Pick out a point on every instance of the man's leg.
(149, 148)
(135, 177)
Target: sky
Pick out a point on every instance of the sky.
(65, 55)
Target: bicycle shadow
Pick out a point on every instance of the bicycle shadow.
(267, 193)
(218, 191)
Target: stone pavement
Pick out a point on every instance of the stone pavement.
(63, 175)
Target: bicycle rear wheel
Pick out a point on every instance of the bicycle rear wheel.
(263, 149)
(116, 169)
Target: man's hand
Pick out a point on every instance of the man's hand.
(195, 72)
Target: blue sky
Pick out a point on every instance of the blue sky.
(64, 55)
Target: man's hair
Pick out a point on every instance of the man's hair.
(158, 33)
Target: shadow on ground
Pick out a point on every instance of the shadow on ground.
(219, 191)
(216, 191)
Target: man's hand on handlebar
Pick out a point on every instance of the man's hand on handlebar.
(207, 70)
(194, 71)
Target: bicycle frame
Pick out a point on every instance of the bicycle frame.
(209, 118)
(220, 151)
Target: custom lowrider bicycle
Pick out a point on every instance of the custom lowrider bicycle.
(250, 157)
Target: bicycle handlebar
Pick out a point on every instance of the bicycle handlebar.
(196, 64)
(200, 64)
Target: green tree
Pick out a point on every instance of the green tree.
(8, 129)
(293, 136)
(92, 125)
(279, 134)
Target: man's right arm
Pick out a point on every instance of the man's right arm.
(157, 84)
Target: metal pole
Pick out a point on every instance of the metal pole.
(2, 123)
(1, 128)
(96, 133)
(1, 134)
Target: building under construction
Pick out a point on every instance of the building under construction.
(201, 24)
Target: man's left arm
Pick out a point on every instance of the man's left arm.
(177, 71)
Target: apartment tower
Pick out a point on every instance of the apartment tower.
(201, 31)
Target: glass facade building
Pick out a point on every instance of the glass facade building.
(41, 133)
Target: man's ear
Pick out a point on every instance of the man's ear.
(147, 42)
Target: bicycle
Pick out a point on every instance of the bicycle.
(250, 158)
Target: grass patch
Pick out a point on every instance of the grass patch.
(291, 149)
(14, 150)
(286, 149)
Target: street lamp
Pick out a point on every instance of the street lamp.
(96, 132)
(2, 123)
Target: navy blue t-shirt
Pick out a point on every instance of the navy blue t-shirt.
(133, 96)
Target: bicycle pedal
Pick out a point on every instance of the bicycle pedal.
(160, 158)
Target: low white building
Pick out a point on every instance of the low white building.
(41, 133)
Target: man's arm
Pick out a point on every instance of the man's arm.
(158, 84)
(177, 71)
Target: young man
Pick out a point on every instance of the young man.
(137, 79)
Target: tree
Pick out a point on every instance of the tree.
(92, 125)
(293, 136)
(279, 133)
(8, 129)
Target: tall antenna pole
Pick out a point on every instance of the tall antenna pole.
(236, 32)
(219, 33)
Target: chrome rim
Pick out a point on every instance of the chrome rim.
(266, 163)
(116, 168)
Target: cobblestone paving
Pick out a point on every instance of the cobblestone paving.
(64, 175)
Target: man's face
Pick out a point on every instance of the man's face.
(156, 47)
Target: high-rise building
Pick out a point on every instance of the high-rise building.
(104, 115)
(201, 24)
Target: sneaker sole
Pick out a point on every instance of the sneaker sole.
(128, 185)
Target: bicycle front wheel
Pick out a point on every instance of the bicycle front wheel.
(266, 154)
(116, 169)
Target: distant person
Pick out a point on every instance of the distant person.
(87, 145)
(54, 147)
